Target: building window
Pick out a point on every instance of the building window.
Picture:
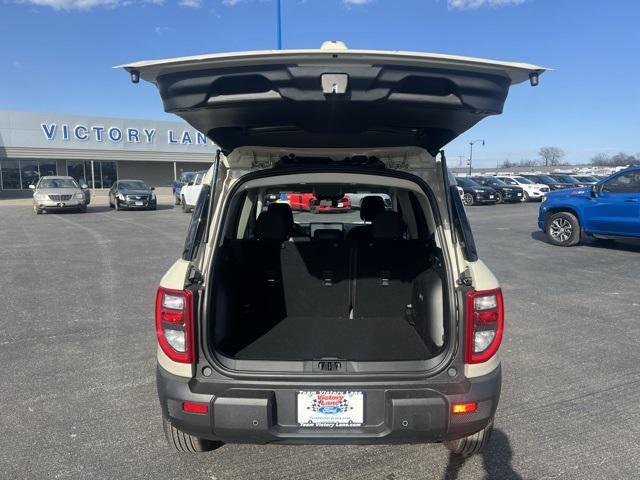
(75, 169)
(109, 174)
(102, 175)
(48, 167)
(29, 172)
(10, 174)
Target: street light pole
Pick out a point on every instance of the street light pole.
(471, 152)
(278, 25)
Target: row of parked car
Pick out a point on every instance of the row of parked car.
(526, 187)
(60, 193)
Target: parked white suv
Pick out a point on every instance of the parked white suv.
(531, 191)
(273, 328)
(190, 192)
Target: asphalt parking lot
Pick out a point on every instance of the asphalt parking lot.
(77, 350)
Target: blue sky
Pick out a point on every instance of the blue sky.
(56, 56)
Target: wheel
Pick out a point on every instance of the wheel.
(499, 197)
(177, 200)
(110, 204)
(183, 442)
(38, 211)
(467, 199)
(117, 205)
(563, 229)
(525, 197)
(154, 207)
(82, 209)
(472, 444)
(185, 207)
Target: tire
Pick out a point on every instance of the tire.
(185, 443)
(525, 197)
(499, 197)
(563, 229)
(117, 205)
(185, 207)
(176, 200)
(475, 443)
(82, 209)
(38, 211)
(467, 199)
(110, 204)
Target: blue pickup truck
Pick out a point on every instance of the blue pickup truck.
(607, 210)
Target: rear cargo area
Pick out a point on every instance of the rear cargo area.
(284, 298)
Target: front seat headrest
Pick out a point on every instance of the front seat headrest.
(371, 206)
(388, 225)
(272, 225)
(285, 208)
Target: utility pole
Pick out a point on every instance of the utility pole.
(471, 152)
(278, 26)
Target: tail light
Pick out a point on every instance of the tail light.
(174, 324)
(485, 324)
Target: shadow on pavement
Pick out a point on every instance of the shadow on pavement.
(496, 460)
(106, 208)
(623, 244)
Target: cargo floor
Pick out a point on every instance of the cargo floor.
(305, 338)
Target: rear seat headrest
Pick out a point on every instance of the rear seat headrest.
(285, 208)
(371, 206)
(272, 225)
(328, 234)
(388, 225)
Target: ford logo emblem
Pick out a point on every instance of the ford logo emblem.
(329, 410)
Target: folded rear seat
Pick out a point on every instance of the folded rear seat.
(386, 268)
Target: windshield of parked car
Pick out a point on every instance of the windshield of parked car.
(546, 179)
(587, 178)
(523, 180)
(187, 177)
(494, 182)
(566, 179)
(467, 182)
(58, 183)
(133, 185)
(509, 181)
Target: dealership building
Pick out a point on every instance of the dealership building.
(97, 150)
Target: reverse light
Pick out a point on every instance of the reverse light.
(485, 324)
(467, 407)
(174, 324)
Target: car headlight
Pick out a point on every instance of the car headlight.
(121, 196)
(39, 196)
(79, 196)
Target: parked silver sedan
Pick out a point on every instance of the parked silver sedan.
(58, 193)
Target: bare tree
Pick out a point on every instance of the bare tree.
(507, 164)
(551, 156)
(528, 163)
(600, 160)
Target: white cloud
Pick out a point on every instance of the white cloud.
(231, 3)
(190, 3)
(349, 3)
(74, 4)
(163, 30)
(471, 4)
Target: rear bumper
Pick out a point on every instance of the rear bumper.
(250, 414)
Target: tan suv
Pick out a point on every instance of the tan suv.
(378, 326)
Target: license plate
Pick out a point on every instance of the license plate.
(138, 203)
(491, 197)
(330, 409)
(325, 203)
(519, 194)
